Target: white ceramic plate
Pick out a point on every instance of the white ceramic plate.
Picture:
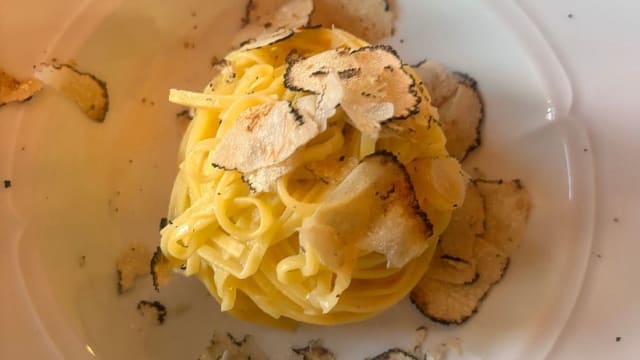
(87, 189)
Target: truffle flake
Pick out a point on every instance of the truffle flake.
(159, 311)
(160, 269)
(372, 209)
(130, 265)
(264, 16)
(262, 136)
(87, 91)
(372, 93)
(460, 105)
(483, 234)
(14, 90)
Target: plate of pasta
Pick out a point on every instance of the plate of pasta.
(300, 179)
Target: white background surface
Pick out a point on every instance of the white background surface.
(598, 47)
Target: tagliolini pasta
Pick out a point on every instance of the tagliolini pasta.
(244, 243)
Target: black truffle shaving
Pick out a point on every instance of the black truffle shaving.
(157, 259)
(161, 310)
(414, 90)
(475, 310)
(413, 86)
(473, 84)
(395, 354)
(415, 205)
(100, 83)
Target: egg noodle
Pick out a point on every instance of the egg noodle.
(244, 245)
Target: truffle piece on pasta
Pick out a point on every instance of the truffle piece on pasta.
(226, 346)
(262, 136)
(131, 264)
(373, 209)
(394, 354)
(376, 86)
(87, 91)
(440, 82)
(313, 351)
(371, 20)
(14, 90)
(460, 106)
(503, 212)
(264, 16)
(438, 183)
